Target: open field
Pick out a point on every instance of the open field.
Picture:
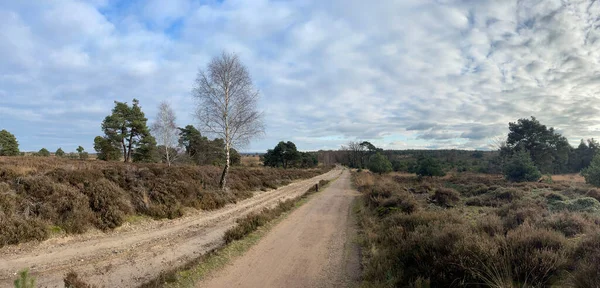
(141, 248)
(478, 230)
(251, 161)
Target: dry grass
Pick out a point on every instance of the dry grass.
(251, 161)
(477, 230)
(577, 178)
(37, 193)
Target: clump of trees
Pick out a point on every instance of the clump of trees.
(286, 155)
(202, 151)
(358, 153)
(8, 144)
(126, 131)
(548, 150)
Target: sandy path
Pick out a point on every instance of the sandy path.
(135, 254)
(312, 247)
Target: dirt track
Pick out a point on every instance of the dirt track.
(135, 254)
(313, 247)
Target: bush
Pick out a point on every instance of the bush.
(108, 202)
(17, 230)
(536, 254)
(429, 167)
(43, 153)
(585, 204)
(587, 264)
(521, 168)
(592, 172)
(379, 164)
(570, 224)
(446, 197)
(25, 280)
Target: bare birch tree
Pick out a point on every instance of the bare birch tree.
(165, 129)
(227, 104)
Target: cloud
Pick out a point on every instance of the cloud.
(436, 74)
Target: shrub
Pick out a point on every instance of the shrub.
(586, 263)
(17, 230)
(379, 164)
(584, 204)
(43, 153)
(592, 172)
(59, 153)
(446, 197)
(521, 168)
(107, 201)
(517, 213)
(429, 167)
(496, 198)
(536, 254)
(25, 280)
(570, 224)
(490, 224)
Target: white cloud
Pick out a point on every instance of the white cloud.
(432, 73)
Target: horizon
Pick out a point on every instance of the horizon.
(417, 75)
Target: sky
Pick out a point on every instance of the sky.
(405, 74)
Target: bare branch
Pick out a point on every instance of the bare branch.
(227, 103)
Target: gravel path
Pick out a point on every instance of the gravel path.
(312, 247)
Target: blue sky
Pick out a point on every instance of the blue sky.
(402, 74)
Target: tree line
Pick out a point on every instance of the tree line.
(227, 108)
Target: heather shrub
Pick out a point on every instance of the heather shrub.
(586, 263)
(495, 198)
(536, 254)
(67, 208)
(585, 204)
(594, 193)
(518, 213)
(489, 224)
(570, 224)
(108, 202)
(446, 197)
(16, 230)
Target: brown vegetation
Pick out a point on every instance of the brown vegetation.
(478, 230)
(37, 194)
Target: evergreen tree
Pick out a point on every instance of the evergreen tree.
(592, 172)
(127, 128)
(59, 153)
(43, 153)
(427, 166)
(8, 144)
(379, 164)
(521, 168)
(106, 150)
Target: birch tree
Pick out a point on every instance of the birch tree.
(165, 129)
(227, 104)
